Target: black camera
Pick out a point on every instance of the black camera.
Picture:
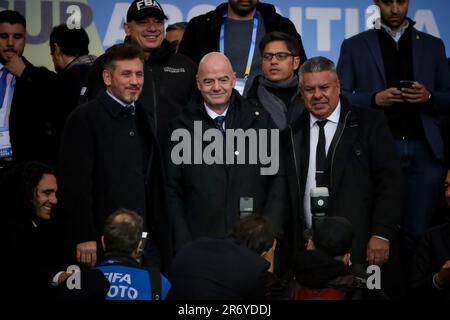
(245, 206)
(319, 205)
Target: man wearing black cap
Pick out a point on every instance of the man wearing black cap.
(169, 77)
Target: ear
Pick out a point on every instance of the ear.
(103, 243)
(127, 28)
(107, 77)
(346, 259)
(338, 84)
(310, 245)
(198, 82)
(233, 79)
(296, 62)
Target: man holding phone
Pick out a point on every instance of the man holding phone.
(404, 72)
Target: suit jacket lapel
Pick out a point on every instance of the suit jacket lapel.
(343, 145)
(417, 52)
(372, 42)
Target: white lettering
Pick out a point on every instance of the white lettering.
(115, 32)
(324, 16)
(426, 22)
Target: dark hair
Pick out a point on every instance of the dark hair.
(317, 64)
(12, 17)
(176, 26)
(123, 231)
(334, 236)
(73, 42)
(255, 232)
(18, 185)
(291, 43)
(123, 51)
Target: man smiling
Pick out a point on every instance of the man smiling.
(110, 158)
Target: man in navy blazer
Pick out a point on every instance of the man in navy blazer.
(373, 67)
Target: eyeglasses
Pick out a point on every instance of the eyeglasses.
(279, 55)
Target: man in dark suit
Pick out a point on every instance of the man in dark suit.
(350, 151)
(371, 67)
(235, 268)
(25, 131)
(109, 159)
(207, 198)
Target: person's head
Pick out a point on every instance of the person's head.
(216, 80)
(320, 86)
(280, 54)
(67, 44)
(12, 34)
(29, 187)
(257, 234)
(175, 32)
(447, 187)
(393, 12)
(145, 24)
(123, 72)
(123, 233)
(242, 8)
(334, 237)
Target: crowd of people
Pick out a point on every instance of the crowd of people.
(187, 166)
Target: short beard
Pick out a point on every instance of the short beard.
(242, 11)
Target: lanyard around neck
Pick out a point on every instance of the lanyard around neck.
(252, 45)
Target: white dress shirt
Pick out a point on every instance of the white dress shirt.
(330, 129)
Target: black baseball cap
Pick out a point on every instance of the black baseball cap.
(141, 9)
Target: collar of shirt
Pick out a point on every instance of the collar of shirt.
(396, 35)
(123, 104)
(213, 114)
(334, 117)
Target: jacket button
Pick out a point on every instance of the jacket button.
(131, 133)
(257, 113)
(358, 152)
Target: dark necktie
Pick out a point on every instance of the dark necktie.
(130, 109)
(321, 155)
(3, 85)
(219, 122)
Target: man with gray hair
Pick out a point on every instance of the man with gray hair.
(350, 151)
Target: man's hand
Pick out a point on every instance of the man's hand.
(444, 274)
(377, 251)
(63, 277)
(15, 64)
(417, 94)
(388, 97)
(87, 253)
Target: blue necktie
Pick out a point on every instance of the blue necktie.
(3, 85)
(219, 122)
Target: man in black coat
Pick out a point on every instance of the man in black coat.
(235, 20)
(235, 268)
(109, 159)
(169, 76)
(353, 156)
(25, 100)
(206, 197)
(69, 49)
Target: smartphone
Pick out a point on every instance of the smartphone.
(405, 84)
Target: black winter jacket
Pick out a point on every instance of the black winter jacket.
(202, 33)
(204, 199)
(169, 81)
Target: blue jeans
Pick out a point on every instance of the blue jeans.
(423, 176)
